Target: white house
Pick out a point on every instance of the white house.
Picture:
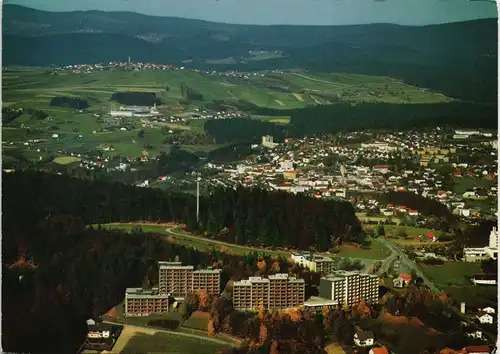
(475, 334)
(364, 338)
(304, 259)
(484, 317)
(489, 310)
(55, 136)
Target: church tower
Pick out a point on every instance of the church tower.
(493, 238)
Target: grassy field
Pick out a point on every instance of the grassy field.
(363, 218)
(467, 183)
(35, 89)
(412, 232)
(454, 272)
(474, 296)
(200, 243)
(177, 235)
(66, 160)
(376, 251)
(170, 343)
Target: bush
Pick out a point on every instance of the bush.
(433, 261)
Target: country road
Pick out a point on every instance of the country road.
(222, 243)
(405, 261)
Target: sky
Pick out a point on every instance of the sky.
(297, 12)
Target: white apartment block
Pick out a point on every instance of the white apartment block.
(279, 291)
(349, 288)
(315, 263)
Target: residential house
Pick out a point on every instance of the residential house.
(476, 349)
(477, 334)
(363, 338)
(402, 281)
(381, 350)
(489, 310)
(100, 330)
(484, 317)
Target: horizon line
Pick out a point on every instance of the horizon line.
(247, 24)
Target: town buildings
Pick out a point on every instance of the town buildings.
(315, 263)
(349, 288)
(277, 292)
(478, 254)
(175, 282)
(142, 302)
(179, 280)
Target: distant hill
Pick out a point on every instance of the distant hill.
(458, 59)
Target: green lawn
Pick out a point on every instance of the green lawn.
(198, 242)
(172, 344)
(412, 232)
(455, 272)
(467, 183)
(197, 321)
(35, 89)
(376, 251)
(474, 296)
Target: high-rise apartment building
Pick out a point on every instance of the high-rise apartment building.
(207, 279)
(279, 291)
(174, 280)
(140, 302)
(349, 287)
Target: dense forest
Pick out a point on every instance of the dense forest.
(136, 98)
(242, 216)
(60, 273)
(229, 153)
(56, 275)
(425, 206)
(72, 102)
(344, 117)
(242, 130)
(259, 217)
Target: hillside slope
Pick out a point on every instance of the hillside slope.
(458, 59)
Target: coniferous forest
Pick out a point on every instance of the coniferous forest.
(58, 272)
(241, 216)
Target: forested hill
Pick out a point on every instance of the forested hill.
(345, 117)
(57, 273)
(243, 216)
(458, 59)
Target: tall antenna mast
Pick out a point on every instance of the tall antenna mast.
(129, 60)
(198, 199)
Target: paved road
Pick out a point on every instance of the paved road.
(406, 262)
(171, 231)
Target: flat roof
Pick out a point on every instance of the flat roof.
(319, 301)
(209, 271)
(187, 267)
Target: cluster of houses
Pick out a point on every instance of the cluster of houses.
(302, 166)
(139, 66)
(89, 68)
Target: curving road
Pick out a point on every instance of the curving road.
(406, 262)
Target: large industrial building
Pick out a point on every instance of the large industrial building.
(135, 111)
(349, 288)
(277, 292)
(175, 281)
